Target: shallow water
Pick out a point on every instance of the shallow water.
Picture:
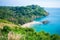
(53, 27)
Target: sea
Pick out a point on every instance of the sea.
(53, 25)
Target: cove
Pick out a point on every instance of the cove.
(53, 27)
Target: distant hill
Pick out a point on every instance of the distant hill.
(21, 15)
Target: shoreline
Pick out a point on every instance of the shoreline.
(30, 24)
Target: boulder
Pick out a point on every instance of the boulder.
(45, 22)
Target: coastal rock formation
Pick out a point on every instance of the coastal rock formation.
(45, 22)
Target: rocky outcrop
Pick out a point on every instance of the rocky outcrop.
(45, 22)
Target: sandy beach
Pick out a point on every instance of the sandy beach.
(31, 23)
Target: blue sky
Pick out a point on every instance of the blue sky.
(42, 3)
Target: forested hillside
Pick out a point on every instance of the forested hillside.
(10, 17)
(23, 14)
(19, 33)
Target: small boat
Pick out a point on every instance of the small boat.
(45, 22)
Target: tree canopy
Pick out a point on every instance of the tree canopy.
(23, 14)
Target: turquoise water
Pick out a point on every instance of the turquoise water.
(53, 27)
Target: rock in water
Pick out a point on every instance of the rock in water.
(45, 22)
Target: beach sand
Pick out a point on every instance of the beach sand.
(30, 24)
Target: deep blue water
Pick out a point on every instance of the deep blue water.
(53, 27)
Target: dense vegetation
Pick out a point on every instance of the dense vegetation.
(11, 16)
(25, 34)
(21, 15)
